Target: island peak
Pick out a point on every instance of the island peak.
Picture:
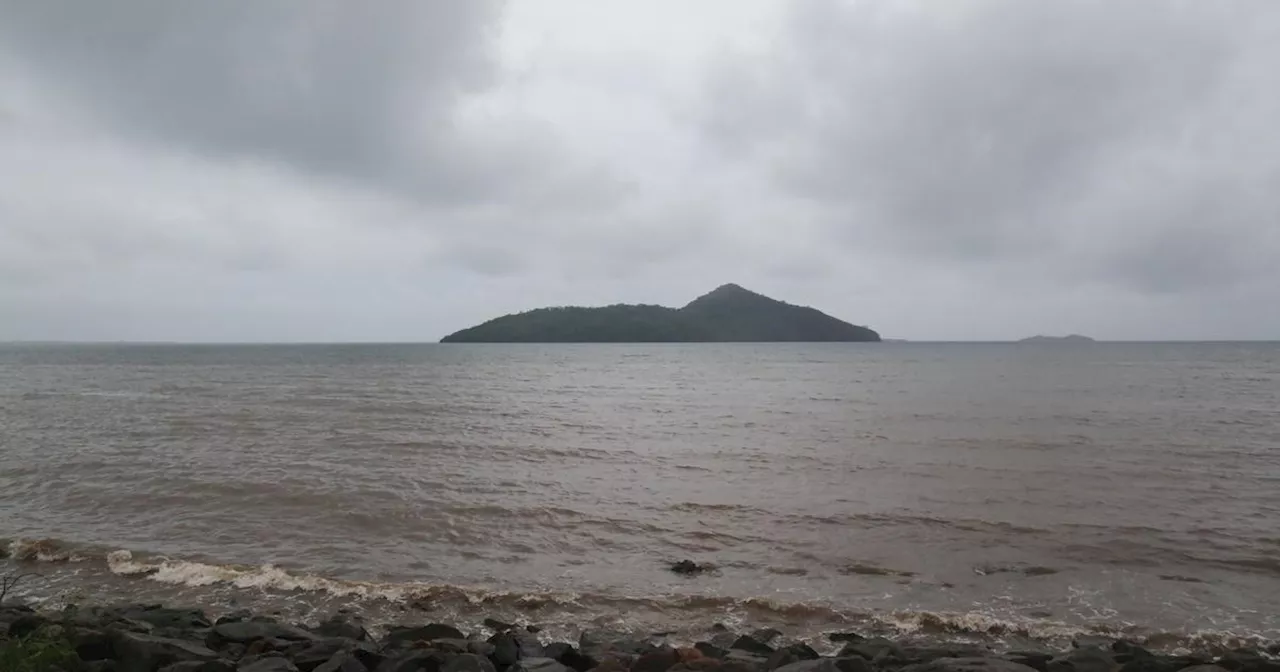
(729, 313)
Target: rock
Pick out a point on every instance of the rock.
(766, 635)
(498, 626)
(569, 656)
(688, 567)
(136, 652)
(411, 661)
(529, 645)
(698, 665)
(724, 640)
(1084, 659)
(539, 665)
(342, 662)
(92, 644)
(1092, 642)
(506, 651)
(711, 650)
(244, 632)
(234, 617)
(344, 625)
(876, 648)
(196, 666)
(600, 644)
(310, 655)
(1246, 660)
(398, 636)
(789, 655)
(25, 624)
(169, 619)
(829, 665)
(751, 645)
(105, 666)
(1038, 660)
(968, 665)
(657, 661)
(465, 662)
(272, 664)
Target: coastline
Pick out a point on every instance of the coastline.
(156, 638)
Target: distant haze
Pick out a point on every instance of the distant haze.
(398, 170)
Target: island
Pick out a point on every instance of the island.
(729, 313)
(1069, 338)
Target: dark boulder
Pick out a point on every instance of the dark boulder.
(1084, 659)
(656, 661)
(876, 648)
(568, 655)
(829, 665)
(688, 567)
(751, 645)
(711, 650)
(498, 626)
(599, 644)
(838, 637)
(234, 617)
(465, 662)
(26, 623)
(968, 665)
(766, 635)
(244, 632)
(788, 655)
(343, 662)
(271, 664)
(506, 651)
(539, 665)
(207, 666)
(413, 660)
(343, 624)
(135, 652)
(402, 635)
(174, 620)
(1247, 660)
(91, 644)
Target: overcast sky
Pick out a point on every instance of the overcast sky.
(324, 170)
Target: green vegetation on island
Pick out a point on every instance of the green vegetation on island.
(728, 314)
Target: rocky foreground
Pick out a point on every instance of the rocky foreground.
(147, 638)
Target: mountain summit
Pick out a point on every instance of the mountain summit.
(729, 313)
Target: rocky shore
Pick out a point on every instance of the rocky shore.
(153, 638)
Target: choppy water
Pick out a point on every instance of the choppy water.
(1024, 490)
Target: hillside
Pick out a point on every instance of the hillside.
(727, 314)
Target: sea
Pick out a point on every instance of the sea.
(1008, 493)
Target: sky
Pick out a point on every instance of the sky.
(322, 170)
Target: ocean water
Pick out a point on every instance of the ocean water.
(986, 491)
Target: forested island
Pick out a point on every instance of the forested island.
(728, 314)
(1069, 338)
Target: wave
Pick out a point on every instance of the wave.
(814, 617)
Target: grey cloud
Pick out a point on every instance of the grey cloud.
(362, 90)
(1119, 141)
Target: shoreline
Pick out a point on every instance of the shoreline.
(157, 638)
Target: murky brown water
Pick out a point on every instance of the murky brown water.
(1028, 489)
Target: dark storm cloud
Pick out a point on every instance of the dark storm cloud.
(1124, 142)
(360, 90)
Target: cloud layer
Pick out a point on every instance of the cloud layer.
(397, 170)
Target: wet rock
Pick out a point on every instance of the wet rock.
(968, 665)
(876, 648)
(1084, 659)
(711, 650)
(342, 624)
(273, 664)
(506, 651)
(401, 635)
(657, 661)
(724, 640)
(343, 662)
(1247, 660)
(134, 652)
(751, 645)
(539, 665)
(1038, 660)
(838, 637)
(1093, 642)
(829, 665)
(529, 645)
(104, 666)
(234, 617)
(465, 662)
(791, 654)
(1204, 668)
(244, 632)
(766, 635)
(163, 618)
(920, 654)
(195, 666)
(26, 623)
(411, 661)
(698, 665)
(569, 656)
(91, 644)
(498, 626)
(689, 568)
(601, 644)
(310, 655)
